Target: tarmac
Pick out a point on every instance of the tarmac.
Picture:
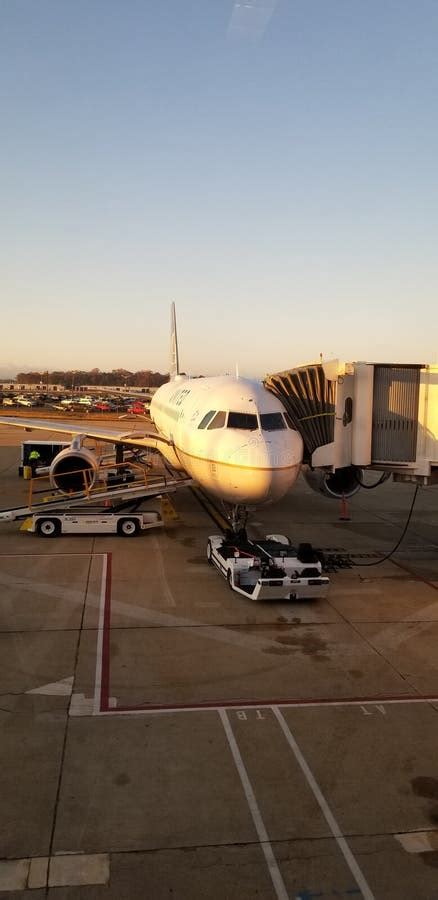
(164, 737)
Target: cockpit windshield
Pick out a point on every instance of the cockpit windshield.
(207, 418)
(245, 421)
(272, 422)
(218, 421)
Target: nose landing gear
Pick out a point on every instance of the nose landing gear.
(237, 516)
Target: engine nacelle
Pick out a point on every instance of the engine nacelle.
(73, 470)
(343, 482)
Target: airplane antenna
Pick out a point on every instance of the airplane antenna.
(174, 360)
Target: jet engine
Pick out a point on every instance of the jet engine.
(341, 483)
(74, 469)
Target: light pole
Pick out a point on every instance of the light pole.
(126, 379)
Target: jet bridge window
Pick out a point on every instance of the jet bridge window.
(218, 421)
(272, 422)
(207, 418)
(246, 421)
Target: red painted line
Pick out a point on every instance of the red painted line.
(105, 680)
(234, 704)
(292, 701)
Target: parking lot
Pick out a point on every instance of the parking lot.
(165, 737)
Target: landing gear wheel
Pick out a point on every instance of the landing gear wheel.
(48, 527)
(209, 554)
(127, 527)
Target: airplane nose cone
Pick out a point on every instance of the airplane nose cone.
(267, 465)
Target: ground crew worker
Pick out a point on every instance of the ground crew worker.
(34, 461)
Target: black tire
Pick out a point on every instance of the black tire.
(48, 528)
(128, 527)
(209, 554)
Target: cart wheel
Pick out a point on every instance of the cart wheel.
(209, 553)
(127, 527)
(48, 527)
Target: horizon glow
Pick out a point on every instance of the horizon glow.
(271, 170)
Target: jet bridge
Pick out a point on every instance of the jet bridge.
(368, 415)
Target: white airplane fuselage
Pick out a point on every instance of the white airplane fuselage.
(245, 452)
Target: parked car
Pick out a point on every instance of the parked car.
(26, 401)
(9, 401)
(102, 406)
(137, 408)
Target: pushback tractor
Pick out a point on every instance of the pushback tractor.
(268, 569)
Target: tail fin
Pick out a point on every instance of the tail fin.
(174, 360)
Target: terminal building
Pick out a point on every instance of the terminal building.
(14, 387)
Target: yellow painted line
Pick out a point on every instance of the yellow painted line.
(210, 508)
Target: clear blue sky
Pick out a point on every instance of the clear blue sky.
(274, 172)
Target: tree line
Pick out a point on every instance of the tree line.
(115, 378)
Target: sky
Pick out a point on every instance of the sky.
(270, 165)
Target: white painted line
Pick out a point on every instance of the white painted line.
(274, 871)
(61, 688)
(79, 869)
(168, 596)
(80, 705)
(352, 864)
(418, 841)
(98, 675)
(231, 705)
(38, 872)
(13, 874)
(44, 555)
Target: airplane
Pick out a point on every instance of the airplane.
(231, 435)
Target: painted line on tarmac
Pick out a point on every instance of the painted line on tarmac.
(350, 859)
(211, 509)
(101, 680)
(46, 555)
(418, 841)
(169, 598)
(274, 871)
(322, 702)
(62, 870)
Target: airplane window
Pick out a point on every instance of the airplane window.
(219, 420)
(272, 422)
(207, 418)
(247, 421)
(289, 421)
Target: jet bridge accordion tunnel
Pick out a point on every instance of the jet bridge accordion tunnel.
(355, 416)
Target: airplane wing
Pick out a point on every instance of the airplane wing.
(129, 438)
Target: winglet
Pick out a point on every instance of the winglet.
(174, 361)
